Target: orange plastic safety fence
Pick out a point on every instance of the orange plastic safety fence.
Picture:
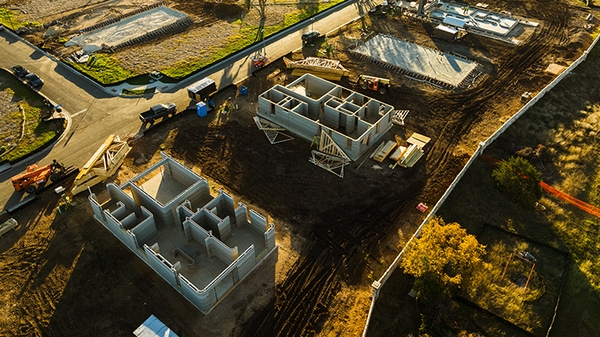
(591, 209)
(582, 205)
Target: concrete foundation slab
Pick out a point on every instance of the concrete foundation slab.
(130, 28)
(417, 60)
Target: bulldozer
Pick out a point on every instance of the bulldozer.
(36, 175)
(381, 85)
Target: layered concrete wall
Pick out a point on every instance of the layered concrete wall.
(195, 190)
(130, 214)
(310, 104)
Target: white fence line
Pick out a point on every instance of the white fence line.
(482, 146)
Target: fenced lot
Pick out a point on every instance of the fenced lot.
(520, 281)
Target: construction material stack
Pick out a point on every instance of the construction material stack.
(324, 68)
(408, 156)
(103, 164)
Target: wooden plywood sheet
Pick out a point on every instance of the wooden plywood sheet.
(418, 139)
(385, 151)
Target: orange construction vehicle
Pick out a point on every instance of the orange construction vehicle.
(36, 176)
(381, 85)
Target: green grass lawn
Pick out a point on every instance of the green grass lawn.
(13, 21)
(36, 132)
(107, 69)
(104, 69)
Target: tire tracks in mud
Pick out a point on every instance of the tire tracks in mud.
(464, 109)
(336, 256)
(339, 250)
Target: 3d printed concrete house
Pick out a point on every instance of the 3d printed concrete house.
(311, 105)
(168, 218)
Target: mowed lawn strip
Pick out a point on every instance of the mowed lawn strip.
(24, 109)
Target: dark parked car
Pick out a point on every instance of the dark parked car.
(158, 111)
(310, 37)
(34, 80)
(20, 71)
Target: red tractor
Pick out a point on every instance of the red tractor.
(35, 176)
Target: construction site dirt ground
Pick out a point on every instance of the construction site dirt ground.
(65, 275)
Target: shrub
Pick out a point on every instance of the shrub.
(520, 180)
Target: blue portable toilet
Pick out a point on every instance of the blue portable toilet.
(243, 90)
(201, 109)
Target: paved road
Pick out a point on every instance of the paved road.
(95, 113)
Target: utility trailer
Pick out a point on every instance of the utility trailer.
(202, 90)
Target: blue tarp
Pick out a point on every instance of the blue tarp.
(153, 327)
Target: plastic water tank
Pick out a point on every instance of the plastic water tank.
(201, 109)
(243, 90)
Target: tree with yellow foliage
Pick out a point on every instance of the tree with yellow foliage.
(438, 258)
(444, 250)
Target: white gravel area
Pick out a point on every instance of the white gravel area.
(129, 28)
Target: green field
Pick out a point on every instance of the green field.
(21, 129)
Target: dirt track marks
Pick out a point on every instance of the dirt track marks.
(462, 110)
(338, 253)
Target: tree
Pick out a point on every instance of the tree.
(446, 250)
(438, 258)
(519, 179)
